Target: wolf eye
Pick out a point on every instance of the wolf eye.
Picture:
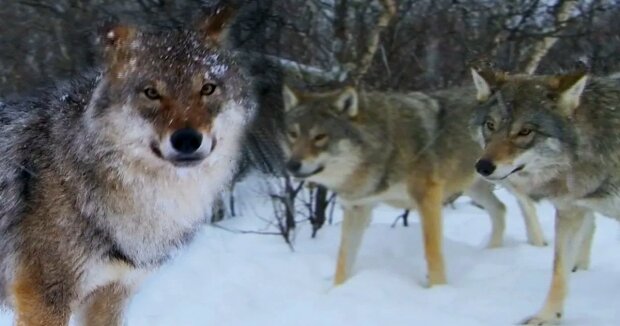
(525, 132)
(320, 137)
(208, 89)
(292, 134)
(489, 125)
(151, 93)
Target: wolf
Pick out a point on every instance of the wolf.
(555, 137)
(409, 150)
(105, 177)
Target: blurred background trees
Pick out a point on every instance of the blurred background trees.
(426, 45)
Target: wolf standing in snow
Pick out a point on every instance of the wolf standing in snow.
(554, 137)
(408, 150)
(102, 179)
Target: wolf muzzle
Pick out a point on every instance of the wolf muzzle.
(485, 167)
(185, 147)
(186, 141)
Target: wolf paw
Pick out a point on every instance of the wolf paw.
(578, 268)
(582, 265)
(538, 243)
(340, 278)
(435, 280)
(542, 320)
(494, 243)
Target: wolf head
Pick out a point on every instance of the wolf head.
(524, 123)
(171, 97)
(322, 141)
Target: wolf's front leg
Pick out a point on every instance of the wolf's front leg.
(572, 226)
(428, 195)
(39, 301)
(481, 192)
(583, 260)
(105, 306)
(535, 236)
(356, 219)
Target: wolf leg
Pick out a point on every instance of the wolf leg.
(535, 235)
(482, 193)
(428, 196)
(356, 219)
(583, 260)
(105, 306)
(571, 224)
(37, 302)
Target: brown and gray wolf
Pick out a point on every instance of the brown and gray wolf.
(407, 150)
(555, 137)
(103, 179)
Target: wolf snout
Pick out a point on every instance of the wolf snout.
(186, 140)
(299, 169)
(485, 167)
(185, 147)
(293, 165)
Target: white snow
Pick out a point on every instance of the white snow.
(227, 278)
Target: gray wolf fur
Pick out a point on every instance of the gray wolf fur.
(555, 137)
(408, 150)
(103, 179)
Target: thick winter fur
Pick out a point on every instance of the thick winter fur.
(94, 193)
(408, 150)
(554, 137)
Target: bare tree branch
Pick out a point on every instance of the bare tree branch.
(540, 48)
(365, 60)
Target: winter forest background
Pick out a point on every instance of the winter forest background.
(426, 44)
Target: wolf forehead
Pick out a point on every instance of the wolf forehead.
(183, 51)
(314, 108)
(307, 119)
(519, 97)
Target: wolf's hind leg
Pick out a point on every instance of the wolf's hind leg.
(482, 193)
(356, 219)
(105, 306)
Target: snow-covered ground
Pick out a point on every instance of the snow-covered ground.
(226, 278)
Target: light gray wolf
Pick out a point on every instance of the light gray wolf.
(555, 137)
(410, 151)
(103, 178)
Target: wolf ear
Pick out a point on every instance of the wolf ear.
(486, 81)
(569, 88)
(117, 36)
(116, 41)
(289, 97)
(213, 29)
(346, 102)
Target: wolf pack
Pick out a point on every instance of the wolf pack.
(103, 178)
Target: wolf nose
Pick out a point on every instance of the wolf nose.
(186, 140)
(485, 167)
(293, 166)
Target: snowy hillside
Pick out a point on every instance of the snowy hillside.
(226, 278)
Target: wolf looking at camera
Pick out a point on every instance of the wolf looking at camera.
(103, 178)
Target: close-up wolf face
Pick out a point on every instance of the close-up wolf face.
(321, 136)
(169, 97)
(523, 124)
